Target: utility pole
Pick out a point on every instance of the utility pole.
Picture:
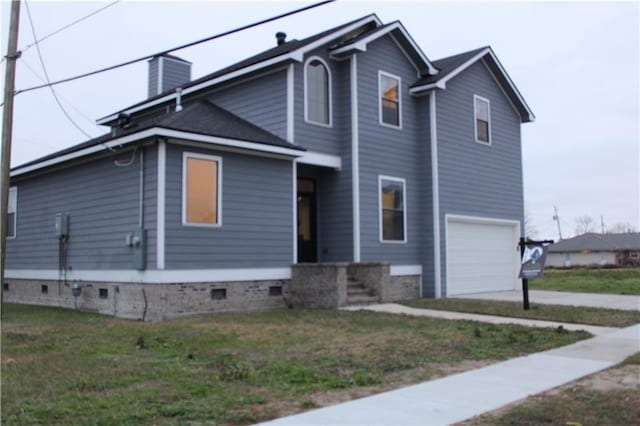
(602, 224)
(557, 219)
(7, 128)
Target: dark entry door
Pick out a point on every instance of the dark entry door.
(307, 241)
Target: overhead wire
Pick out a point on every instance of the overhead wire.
(46, 74)
(184, 46)
(77, 21)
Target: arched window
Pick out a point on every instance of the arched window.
(317, 92)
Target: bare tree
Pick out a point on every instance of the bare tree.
(620, 228)
(584, 224)
(530, 228)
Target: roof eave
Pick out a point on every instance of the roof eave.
(296, 55)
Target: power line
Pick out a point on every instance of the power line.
(77, 21)
(46, 75)
(184, 46)
(69, 25)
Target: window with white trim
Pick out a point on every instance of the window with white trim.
(12, 212)
(390, 106)
(317, 91)
(482, 113)
(201, 190)
(393, 211)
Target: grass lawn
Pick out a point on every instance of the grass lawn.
(611, 397)
(572, 314)
(66, 367)
(613, 281)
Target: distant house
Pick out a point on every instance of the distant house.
(348, 154)
(596, 249)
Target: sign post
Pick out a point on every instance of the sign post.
(533, 255)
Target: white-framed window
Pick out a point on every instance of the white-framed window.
(317, 92)
(12, 212)
(392, 209)
(482, 115)
(201, 190)
(390, 100)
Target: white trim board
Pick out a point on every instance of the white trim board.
(404, 270)
(437, 266)
(156, 277)
(255, 147)
(355, 157)
(320, 159)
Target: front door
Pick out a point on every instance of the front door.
(307, 242)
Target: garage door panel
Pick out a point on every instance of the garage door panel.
(481, 256)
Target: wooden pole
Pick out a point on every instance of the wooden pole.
(7, 128)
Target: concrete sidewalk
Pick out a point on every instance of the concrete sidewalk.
(461, 396)
(394, 308)
(610, 301)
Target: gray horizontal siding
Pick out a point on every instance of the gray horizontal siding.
(102, 201)
(257, 215)
(393, 152)
(476, 179)
(262, 101)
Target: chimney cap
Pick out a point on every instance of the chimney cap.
(281, 37)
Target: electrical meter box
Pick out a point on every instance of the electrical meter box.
(62, 225)
(140, 249)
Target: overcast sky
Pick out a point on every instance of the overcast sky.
(575, 63)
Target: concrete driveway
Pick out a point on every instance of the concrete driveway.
(611, 301)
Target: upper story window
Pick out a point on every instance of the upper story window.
(482, 113)
(201, 190)
(389, 99)
(393, 216)
(317, 90)
(12, 212)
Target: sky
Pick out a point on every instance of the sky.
(575, 63)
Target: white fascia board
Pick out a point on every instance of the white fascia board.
(404, 270)
(215, 140)
(162, 132)
(361, 45)
(156, 277)
(320, 159)
(296, 55)
(87, 151)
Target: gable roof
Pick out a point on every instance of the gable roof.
(293, 50)
(453, 65)
(598, 242)
(399, 34)
(201, 121)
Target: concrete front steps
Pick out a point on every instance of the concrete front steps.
(359, 294)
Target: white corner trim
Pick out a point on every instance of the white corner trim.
(355, 158)
(403, 270)
(160, 75)
(329, 93)
(380, 121)
(185, 158)
(319, 159)
(437, 266)
(290, 103)
(404, 209)
(161, 204)
(12, 207)
(156, 277)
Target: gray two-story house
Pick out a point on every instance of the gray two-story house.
(346, 149)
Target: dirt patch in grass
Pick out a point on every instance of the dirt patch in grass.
(609, 397)
(62, 366)
(559, 313)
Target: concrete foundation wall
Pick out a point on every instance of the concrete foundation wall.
(152, 302)
(318, 285)
(404, 287)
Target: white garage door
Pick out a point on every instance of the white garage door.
(481, 255)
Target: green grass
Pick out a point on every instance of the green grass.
(613, 281)
(63, 367)
(576, 404)
(572, 314)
